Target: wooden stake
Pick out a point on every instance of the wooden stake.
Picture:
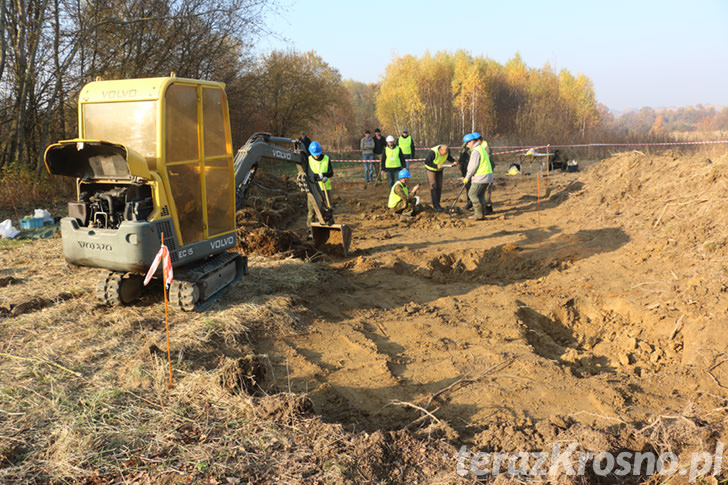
(166, 319)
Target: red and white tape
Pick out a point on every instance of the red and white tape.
(376, 161)
(516, 149)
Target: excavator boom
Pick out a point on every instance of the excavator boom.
(263, 146)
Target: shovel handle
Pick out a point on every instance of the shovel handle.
(456, 199)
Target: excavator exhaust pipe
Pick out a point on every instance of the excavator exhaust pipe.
(322, 232)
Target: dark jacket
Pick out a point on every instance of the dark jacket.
(379, 144)
(306, 141)
(463, 160)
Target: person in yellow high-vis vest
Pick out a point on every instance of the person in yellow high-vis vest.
(402, 200)
(322, 170)
(480, 174)
(407, 145)
(392, 161)
(434, 163)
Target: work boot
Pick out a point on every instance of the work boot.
(488, 209)
(438, 208)
(477, 212)
(468, 206)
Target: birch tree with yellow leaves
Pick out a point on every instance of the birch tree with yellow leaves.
(442, 96)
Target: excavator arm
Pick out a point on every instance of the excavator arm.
(263, 146)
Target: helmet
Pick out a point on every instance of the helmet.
(403, 174)
(469, 137)
(315, 148)
(475, 135)
(390, 138)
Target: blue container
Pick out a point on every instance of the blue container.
(31, 222)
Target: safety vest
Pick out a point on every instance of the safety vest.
(320, 167)
(393, 197)
(484, 168)
(439, 159)
(405, 144)
(392, 158)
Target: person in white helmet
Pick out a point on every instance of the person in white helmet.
(392, 161)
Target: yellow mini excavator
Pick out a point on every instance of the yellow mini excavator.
(154, 158)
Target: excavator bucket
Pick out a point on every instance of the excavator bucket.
(322, 232)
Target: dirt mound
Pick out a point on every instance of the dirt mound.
(270, 205)
(433, 221)
(679, 198)
(587, 295)
(269, 241)
(506, 263)
(673, 210)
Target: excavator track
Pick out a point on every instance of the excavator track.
(197, 287)
(117, 289)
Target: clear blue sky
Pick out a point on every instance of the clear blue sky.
(658, 53)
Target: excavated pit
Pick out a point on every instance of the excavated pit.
(590, 334)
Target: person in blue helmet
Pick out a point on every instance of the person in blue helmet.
(322, 170)
(480, 175)
(402, 200)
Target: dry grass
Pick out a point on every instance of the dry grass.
(85, 397)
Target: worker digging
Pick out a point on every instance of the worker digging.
(480, 175)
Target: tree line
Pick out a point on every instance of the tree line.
(443, 96)
(50, 48)
(437, 97)
(691, 119)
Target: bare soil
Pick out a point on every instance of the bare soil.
(589, 309)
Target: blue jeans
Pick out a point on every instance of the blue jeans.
(368, 167)
(392, 177)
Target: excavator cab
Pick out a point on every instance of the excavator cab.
(153, 159)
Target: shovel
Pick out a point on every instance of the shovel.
(456, 200)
